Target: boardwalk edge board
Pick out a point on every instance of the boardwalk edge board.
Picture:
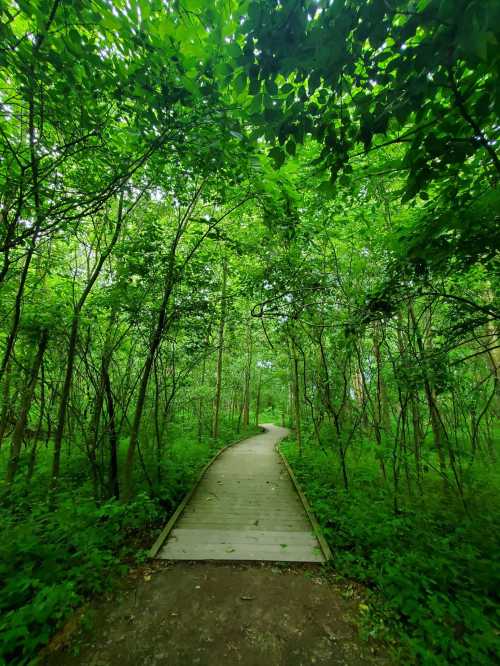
(174, 517)
(325, 548)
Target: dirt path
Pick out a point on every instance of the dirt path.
(245, 508)
(222, 614)
(181, 613)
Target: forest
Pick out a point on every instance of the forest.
(216, 214)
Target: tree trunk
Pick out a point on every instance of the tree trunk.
(26, 400)
(381, 411)
(114, 488)
(68, 377)
(257, 398)
(220, 352)
(4, 415)
(296, 393)
(154, 345)
(17, 312)
(34, 446)
(436, 424)
(418, 435)
(248, 371)
(493, 359)
(201, 401)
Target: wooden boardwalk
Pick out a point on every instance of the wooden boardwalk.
(245, 508)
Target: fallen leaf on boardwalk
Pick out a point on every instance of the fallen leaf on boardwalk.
(247, 598)
(147, 577)
(229, 550)
(363, 608)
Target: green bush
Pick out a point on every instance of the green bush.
(434, 569)
(51, 560)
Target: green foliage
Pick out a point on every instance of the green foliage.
(392, 68)
(51, 560)
(340, 159)
(432, 569)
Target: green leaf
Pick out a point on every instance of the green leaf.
(277, 155)
(291, 147)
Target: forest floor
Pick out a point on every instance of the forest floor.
(207, 613)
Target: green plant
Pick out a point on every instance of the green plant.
(432, 569)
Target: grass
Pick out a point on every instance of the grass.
(433, 568)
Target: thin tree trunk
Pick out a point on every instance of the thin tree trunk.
(220, 352)
(17, 312)
(257, 398)
(296, 393)
(436, 424)
(418, 436)
(34, 160)
(248, 370)
(146, 372)
(114, 487)
(38, 432)
(201, 402)
(493, 360)
(68, 377)
(93, 435)
(4, 416)
(26, 400)
(382, 422)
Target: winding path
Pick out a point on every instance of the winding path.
(245, 508)
(240, 613)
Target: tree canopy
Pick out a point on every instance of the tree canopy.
(217, 213)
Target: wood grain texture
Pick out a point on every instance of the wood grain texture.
(244, 508)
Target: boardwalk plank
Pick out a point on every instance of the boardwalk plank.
(244, 551)
(236, 536)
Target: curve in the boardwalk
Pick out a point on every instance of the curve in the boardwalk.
(245, 508)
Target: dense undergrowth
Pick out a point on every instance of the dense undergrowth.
(52, 560)
(432, 566)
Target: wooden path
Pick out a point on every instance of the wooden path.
(245, 508)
